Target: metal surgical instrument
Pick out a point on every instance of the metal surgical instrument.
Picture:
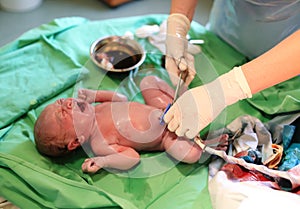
(176, 94)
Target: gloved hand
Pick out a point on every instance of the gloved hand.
(199, 106)
(177, 56)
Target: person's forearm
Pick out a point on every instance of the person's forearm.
(186, 7)
(279, 64)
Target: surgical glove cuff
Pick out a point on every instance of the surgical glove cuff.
(235, 86)
(178, 25)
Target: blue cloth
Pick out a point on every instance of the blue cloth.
(291, 158)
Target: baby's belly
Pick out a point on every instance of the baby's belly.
(140, 127)
(132, 124)
(142, 134)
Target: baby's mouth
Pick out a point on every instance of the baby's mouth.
(81, 106)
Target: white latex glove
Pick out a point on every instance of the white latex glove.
(177, 56)
(199, 106)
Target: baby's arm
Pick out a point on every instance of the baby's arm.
(156, 92)
(92, 96)
(123, 158)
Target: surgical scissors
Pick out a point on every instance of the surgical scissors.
(176, 94)
(177, 87)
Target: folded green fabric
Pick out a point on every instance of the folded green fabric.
(51, 62)
(278, 99)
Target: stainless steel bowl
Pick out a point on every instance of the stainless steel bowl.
(117, 54)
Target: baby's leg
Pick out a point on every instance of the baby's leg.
(156, 92)
(181, 149)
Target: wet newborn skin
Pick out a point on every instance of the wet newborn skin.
(114, 128)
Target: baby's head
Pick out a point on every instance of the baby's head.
(49, 136)
(54, 130)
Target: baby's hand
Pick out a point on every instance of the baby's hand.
(87, 95)
(91, 165)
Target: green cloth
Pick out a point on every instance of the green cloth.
(51, 62)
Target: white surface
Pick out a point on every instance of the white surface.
(248, 195)
(19, 5)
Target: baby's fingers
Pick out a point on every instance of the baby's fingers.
(90, 166)
(81, 94)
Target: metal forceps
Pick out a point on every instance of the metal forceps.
(175, 95)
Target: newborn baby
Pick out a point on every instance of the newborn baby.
(115, 129)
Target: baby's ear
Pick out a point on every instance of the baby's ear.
(72, 145)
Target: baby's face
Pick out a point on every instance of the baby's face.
(69, 118)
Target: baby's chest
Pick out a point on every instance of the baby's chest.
(128, 129)
(117, 123)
